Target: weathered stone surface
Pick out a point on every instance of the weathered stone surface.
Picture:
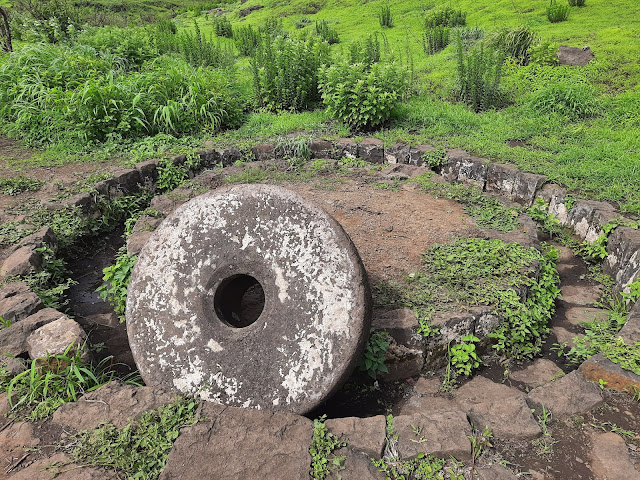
(164, 204)
(346, 147)
(630, 332)
(503, 409)
(580, 294)
(417, 154)
(357, 466)
(555, 196)
(467, 169)
(610, 458)
(84, 201)
(103, 186)
(402, 362)
(233, 443)
(574, 56)
(228, 156)
(17, 302)
(371, 150)
(13, 340)
(264, 152)
(579, 315)
(322, 149)
(439, 433)
(569, 395)
(427, 386)
(127, 180)
(13, 441)
(521, 187)
(495, 472)
(148, 170)
(428, 404)
(136, 241)
(366, 435)
(563, 335)
(623, 260)
(13, 365)
(403, 172)
(38, 470)
(316, 314)
(21, 262)
(208, 158)
(112, 403)
(398, 153)
(540, 372)
(401, 324)
(587, 217)
(599, 368)
(55, 337)
(44, 236)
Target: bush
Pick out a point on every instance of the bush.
(565, 98)
(367, 52)
(116, 278)
(384, 16)
(222, 26)
(360, 95)
(200, 51)
(479, 76)
(557, 13)
(285, 72)
(514, 42)
(471, 35)
(577, 3)
(246, 39)
(543, 54)
(446, 17)
(435, 39)
(273, 26)
(134, 45)
(302, 22)
(48, 20)
(326, 33)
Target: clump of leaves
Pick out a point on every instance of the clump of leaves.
(514, 42)
(222, 26)
(375, 354)
(435, 39)
(18, 185)
(446, 17)
(116, 278)
(326, 33)
(140, 449)
(171, 176)
(385, 17)
(463, 356)
(323, 444)
(556, 12)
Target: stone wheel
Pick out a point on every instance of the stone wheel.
(249, 296)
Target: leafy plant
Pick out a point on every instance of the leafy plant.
(116, 278)
(323, 444)
(302, 22)
(246, 39)
(514, 42)
(140, 449)
(367, 52)
(479, 76)
(326, 33)
(435, 39)
(435, 159)
(573, 100)
(285, 72)
(55, 380)
(385, 17)
(446, 17)
(463, 356)
(18, 185)
(360, 95)
(556, 12)
(222, 26)
(375, 354)
(543, 54)
(171, 176)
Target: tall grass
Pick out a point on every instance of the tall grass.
(514, 42)
(435, 39)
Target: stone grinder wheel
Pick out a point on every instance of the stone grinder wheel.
(249, 296)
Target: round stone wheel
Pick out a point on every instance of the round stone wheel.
(249, 296)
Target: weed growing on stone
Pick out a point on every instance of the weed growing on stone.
(18, 185)
(49, 382)
(323, 444)
(140, 449)
(480, 441)
(116, 278)
(52, 281)
(375, 354)
(463, 356)
(545, 443)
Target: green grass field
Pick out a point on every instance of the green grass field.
(596, 154)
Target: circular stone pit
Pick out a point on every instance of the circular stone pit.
(249, 296)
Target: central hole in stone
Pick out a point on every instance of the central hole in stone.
(239, 300)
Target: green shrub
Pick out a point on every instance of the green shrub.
(134, 44)
(557, 13)
(471, 35)
(565, 98)
(200, 51)
(435, 39)
(302, 22)
(384, 16)
(49, 20)
(446, 17)
(273, 26)
(116, 278)
(360, 95)
(367, 52)
(543, 54)
(577, 3)
(514, 42)
(375, 354)
(479, 76)
(222, 26)
(246, 39)
(326, 33)
(18, 185)
(285, 72)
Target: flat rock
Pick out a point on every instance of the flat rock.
(357, 466)
(443, 434)
(563, 335)
(427, 386)
(581, 294)
(114, 403)
(13, 365)
(13, 340)
(233, 443)
(346, 147)
(599, 368)
(24, 260)
(17, 302)
(366, 435)
(501, 408)
(574, 56)
(579, 315)
(44, 236)
(540, 372)
(371, 150)
(39, 470)
(495, 472)
(55, 337)
(569, 395)
(426, 404)
(13, 441)
(610, 458)
(398, 153)
(136, 241)
(630, 332)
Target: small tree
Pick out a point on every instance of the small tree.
(5, 29)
